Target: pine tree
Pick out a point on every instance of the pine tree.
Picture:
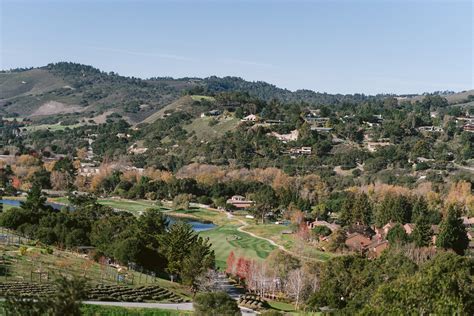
(422, 233)
(452, 233)
(35, 200)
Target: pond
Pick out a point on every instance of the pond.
(198, 226)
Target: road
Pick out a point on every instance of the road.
(178, 307)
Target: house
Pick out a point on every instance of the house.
(430, 129)
(357, 242)
(408, 227)
(387, 227)
(250, 118)
(375, 249)
(469, 128)
(240, 202)
(331, 226)
(468, 221)
(299, 151)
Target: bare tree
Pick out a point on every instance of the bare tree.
(295, 285)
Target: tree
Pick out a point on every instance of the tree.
(452, 233)
(181, 201)
(296, 285)
(422, 233)
(265, 200)
(178, 243)
(199, 260)
(215, 304)
(397, 235)
(231, 264)
(35, 201)
(337, 241)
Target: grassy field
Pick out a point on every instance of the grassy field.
(227, 238)
(204, 131)
(52, 127)
(274, 232)
(202, 97)
(90, 310)
(133, 206)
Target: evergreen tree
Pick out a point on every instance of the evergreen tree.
(397, 235)
(422, 233)
(35, 200)
(452, 233)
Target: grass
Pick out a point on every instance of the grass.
(217, 217)
(36, 258)
(274, 232)
(52, 127)
(122, 311)
(227, 238)
(133, 206)
(202, 97)
(204, 131)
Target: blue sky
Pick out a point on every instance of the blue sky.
(375, 46)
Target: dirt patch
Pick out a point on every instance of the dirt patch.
(54, 107)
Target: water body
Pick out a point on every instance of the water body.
(198, 226)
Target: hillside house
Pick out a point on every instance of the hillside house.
(239, 202)
(375, 249)
(430, 129)
(299, 151)
(357, 242)
(408, 227)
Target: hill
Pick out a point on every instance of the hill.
(69, 91)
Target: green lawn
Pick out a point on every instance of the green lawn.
(133, 206)
(227, 238)
(200, 126)
(52, 127)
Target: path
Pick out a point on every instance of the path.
(180, 306)
(282, 248)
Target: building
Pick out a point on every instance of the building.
(357, 242)
(408, 227)
(239, 202)
(375, 249)
(299, 151)
(469, 128)
(331, 226)
(430, 129)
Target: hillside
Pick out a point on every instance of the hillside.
(74, 92)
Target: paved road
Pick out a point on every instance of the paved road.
(180, 306)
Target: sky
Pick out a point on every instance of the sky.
(338, 46)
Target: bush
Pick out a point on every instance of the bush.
(215, 304)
